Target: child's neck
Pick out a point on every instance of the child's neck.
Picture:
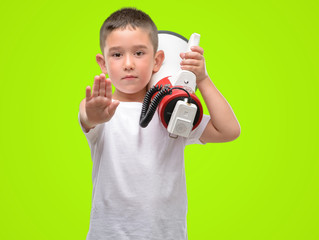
(125, 97)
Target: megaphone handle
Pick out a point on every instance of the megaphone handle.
(193, 41)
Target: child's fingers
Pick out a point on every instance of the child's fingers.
(198, 49)
(108, 89)
(190, 68)
(191, 55)
(102, 85)
(96, 86)
(196, 53)
(192, 62)
(88, 92)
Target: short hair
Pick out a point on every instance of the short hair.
(128, 17)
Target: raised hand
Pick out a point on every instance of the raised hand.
(98, 105)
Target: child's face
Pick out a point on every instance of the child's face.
(129, 60)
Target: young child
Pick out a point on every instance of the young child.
(139, 187)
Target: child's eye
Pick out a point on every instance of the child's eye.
(117, 55)
(139, 53)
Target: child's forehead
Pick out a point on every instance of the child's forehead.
(131, 29)
(128, 34)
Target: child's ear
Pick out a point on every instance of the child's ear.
(159, 58)
(101, 61)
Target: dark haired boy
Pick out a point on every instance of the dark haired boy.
(139, 187)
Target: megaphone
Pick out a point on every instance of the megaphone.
(172, 90)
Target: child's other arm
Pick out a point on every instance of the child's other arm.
(97, 107)
(223, 126)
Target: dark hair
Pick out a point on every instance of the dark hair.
(128, 17)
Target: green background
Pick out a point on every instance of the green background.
(262, 55)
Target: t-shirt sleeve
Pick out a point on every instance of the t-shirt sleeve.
(197, 133)
(93, 134)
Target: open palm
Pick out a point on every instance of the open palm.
(99, 105)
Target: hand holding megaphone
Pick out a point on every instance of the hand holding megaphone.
(186, 77)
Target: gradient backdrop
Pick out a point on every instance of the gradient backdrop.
(262, 56)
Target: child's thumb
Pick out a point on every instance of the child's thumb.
(113, 106)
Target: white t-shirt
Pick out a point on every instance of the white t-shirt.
(139, 186)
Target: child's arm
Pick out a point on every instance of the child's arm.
(97, 107)
(223, 126)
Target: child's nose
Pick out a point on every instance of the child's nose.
(128, 62)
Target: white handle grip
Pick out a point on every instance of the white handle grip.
(193, 41)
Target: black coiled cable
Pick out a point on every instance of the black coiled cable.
(149, 108)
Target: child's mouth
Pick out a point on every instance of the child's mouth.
(129, 77)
